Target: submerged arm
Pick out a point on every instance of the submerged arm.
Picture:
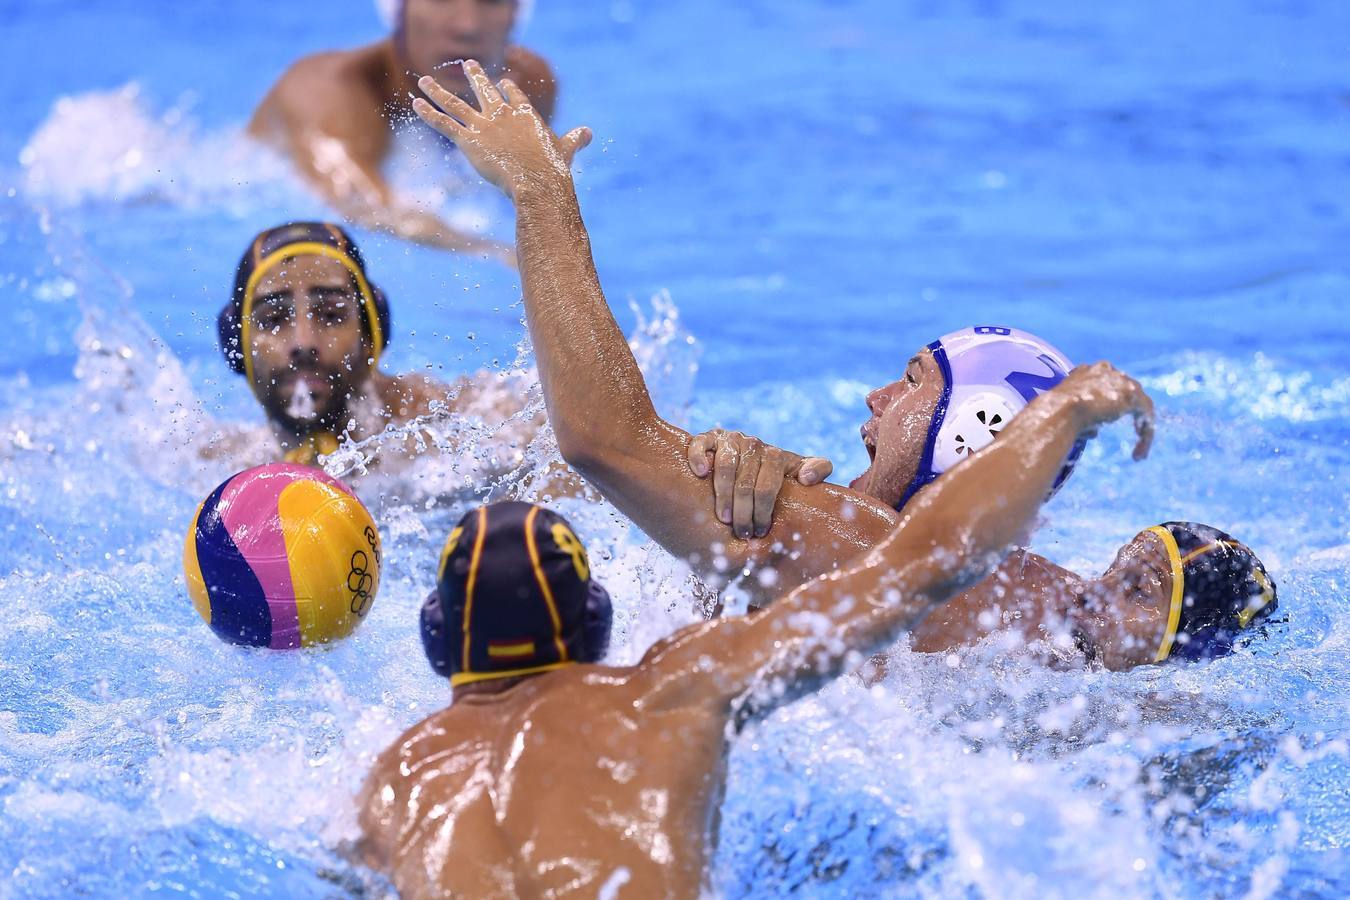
(953, 534)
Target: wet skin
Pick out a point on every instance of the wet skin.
(549, 787)
(308, 343)
(639, 461)
(334, 113)
(1117, 619)
(312, 365)
(586, 777)
(895, 434)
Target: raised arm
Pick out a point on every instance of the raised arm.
(953, 535)
(598, 403)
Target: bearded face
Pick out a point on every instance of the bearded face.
(309, 347)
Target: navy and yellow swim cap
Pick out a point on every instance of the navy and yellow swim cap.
(514, 596)
(1219, 588)
(276, 245)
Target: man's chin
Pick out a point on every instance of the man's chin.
(877, 486)
(324, 418)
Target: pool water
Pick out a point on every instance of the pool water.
(794, 196)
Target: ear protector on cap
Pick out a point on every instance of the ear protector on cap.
(990, 373)
(598, 622)
(435, 643)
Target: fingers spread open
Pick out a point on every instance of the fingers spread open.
(445, 100)
(437, 119)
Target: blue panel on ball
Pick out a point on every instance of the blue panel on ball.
(239, 610)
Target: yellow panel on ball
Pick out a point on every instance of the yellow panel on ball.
(334, 551)
(192, 570)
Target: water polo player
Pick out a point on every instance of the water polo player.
(334, 113)
(553, 775)
(306, 326)
(1194, 591)
(966, 387)
(944, 407)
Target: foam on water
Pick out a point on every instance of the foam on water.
(1172, 206)
(139, 753)
(104, 146)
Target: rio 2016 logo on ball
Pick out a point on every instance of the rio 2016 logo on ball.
(282, 556)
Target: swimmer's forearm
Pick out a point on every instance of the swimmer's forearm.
(969, 518)
(953, 535)
(596, 396)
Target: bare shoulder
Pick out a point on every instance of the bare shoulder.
(817, 529)
(687, 668)
(411, 395)
(324, 90)
(535, 76)
(1025, 566)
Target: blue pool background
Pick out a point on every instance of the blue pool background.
(820, 188)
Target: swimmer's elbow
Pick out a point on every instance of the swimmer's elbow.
(587, 449)
(613, 459)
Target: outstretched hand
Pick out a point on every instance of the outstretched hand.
(505, 139)
(1102, 394)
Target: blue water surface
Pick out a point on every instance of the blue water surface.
(818, 188)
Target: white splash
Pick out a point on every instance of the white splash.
(113, 146)
(301, 406)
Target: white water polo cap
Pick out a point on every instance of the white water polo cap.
(990, 373)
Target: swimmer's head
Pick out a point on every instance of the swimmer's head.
(514, 596)
(1218, 588)
(304, 324)
(433, 35)
(957, 394)
(1206, 587)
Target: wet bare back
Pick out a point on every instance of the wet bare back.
(562, 784)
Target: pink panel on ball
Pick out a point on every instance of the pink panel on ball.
(255, 527)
